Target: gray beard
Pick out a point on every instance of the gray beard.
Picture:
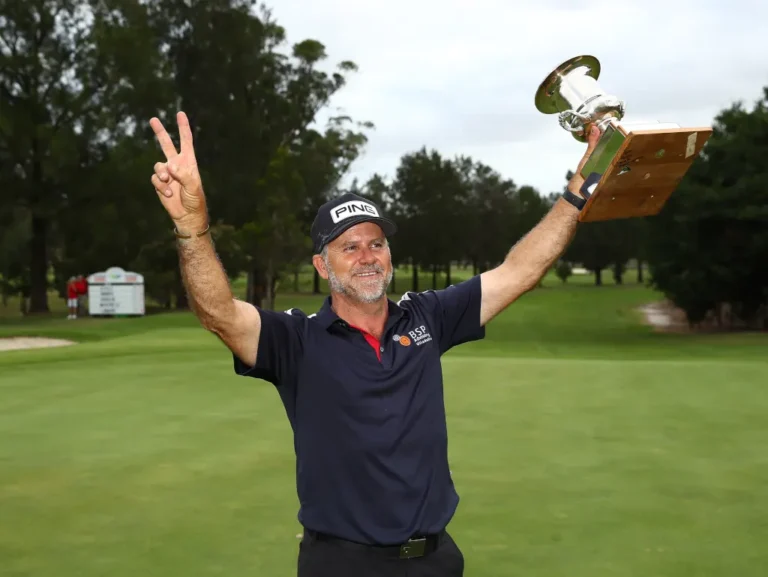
(367, 297)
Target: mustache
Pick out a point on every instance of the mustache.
(374, 268)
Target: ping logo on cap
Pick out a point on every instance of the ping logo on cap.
(353, 208)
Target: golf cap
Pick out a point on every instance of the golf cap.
(339, 214)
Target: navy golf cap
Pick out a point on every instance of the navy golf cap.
(339, 214)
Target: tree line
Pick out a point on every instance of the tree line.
(79, 80)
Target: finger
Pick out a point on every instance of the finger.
(166, 144)
(161, 170)
(185, 133)
(161, 187)
(184, 175)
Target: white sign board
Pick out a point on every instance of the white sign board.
(115, 292)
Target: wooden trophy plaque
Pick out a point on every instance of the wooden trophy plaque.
(638, 168)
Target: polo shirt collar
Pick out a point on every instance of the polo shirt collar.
(327, 317)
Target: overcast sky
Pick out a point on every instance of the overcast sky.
(460, 75)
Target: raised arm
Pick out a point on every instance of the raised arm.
(179, 187)
(530, 259)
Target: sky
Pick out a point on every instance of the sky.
(459, 76)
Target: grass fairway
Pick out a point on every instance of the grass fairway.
(582, 443)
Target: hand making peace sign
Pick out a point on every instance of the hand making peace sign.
(177, 181)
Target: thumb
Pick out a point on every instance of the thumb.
(592, 138)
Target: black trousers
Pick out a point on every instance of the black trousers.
(322, 556)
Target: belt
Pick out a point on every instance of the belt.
(418, 546)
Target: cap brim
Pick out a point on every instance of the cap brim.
(387, 226)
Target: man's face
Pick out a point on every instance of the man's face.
(358, 263)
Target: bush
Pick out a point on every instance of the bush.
(563, 270)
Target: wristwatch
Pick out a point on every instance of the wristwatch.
(574, 199)
(586, 190)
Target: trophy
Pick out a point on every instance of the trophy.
(635, 167)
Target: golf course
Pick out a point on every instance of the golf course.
(584, 442)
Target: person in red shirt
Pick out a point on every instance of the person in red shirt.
(72, 297)
(77, 287)
(82, 289)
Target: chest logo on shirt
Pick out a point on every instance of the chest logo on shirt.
(402, 339)
(419, 335)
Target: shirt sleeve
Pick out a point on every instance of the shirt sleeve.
(281, 345)
(455, 311)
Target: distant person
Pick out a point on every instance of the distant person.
(361, 379)
(81, 284)
(77, 288)
(72, 300)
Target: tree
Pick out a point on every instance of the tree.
(63, 106)
(252, 124)
(14, 246)
(709, 245)
(429, 192)
(495, 214)
(563, 270)
(603, 245)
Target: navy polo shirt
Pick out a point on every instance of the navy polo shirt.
(369, 423)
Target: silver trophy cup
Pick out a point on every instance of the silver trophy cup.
(635, 166)
(571, 90)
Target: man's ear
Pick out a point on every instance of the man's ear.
(319, 263)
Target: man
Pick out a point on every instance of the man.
(72, 301)
(77, 288)
(81, 286)
(361, 379)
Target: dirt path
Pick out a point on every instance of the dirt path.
(664, 316)
(19, 343)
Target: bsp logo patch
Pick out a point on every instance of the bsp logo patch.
(419, 335)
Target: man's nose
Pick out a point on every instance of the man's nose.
(367, 256)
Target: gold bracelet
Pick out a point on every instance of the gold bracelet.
(179, 235)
